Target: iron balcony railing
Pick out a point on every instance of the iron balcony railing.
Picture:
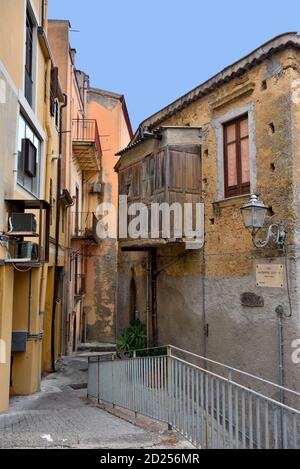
(84, 225)
(211, 405)
(80, 285)
(86, 130)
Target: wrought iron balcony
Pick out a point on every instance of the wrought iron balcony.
(86, 144)
(80, 286)
(84, 226)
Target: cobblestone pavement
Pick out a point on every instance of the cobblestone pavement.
(61, 417)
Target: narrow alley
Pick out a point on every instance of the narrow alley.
(61, 417)
(149, 227)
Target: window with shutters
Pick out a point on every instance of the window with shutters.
(53, 92)
(160, 171)
(29, 149)
(130, 182)
(136, 181)
(236, 157)
(148, 172)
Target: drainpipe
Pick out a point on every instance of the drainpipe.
(47, 184)
(154, 295)
(29, 302)
(281, 378)
(57, 230)
(205, 324)
(148, 313)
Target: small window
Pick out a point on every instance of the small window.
(53, 92)
(29, 60)
(56, 111)
(30, 157)
(237, 157)
(29, 151)
(43, 13)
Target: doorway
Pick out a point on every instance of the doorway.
(133, 311)
(74, 334)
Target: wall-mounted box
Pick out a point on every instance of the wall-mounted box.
(19, 341)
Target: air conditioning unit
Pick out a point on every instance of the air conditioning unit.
(27, 250)
(23, 223)
(96, 188)
(22, 250)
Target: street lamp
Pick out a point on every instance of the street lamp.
(254, 214)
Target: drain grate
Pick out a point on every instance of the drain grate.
(78, 386)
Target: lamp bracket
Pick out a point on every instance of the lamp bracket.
(276, 234)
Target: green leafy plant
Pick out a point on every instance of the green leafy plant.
(133, 338)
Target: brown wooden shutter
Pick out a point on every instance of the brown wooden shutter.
(185, 168)
(30, 157)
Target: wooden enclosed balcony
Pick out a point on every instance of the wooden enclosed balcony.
(163, 171)
(86, 144)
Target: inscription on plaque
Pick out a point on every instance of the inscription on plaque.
(270, 276)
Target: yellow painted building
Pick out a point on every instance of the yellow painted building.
(81, 161)
(30, 103)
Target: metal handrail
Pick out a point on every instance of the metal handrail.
(84, 224)
(235, 370)
(86, 130)
(244, 388)
(210, 410)
(222, 365)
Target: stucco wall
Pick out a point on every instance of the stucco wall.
(8, 141)
(99, 304)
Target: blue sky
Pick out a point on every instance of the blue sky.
(153, 52)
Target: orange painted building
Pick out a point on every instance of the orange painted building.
(110, 112)
(96, 124)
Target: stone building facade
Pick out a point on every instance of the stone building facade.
(207, 301)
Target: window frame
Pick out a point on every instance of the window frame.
(27, 131)
(29, 151)
(241, 188)
(43, 13)
(29, 58)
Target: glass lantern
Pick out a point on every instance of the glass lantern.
(254, 213)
